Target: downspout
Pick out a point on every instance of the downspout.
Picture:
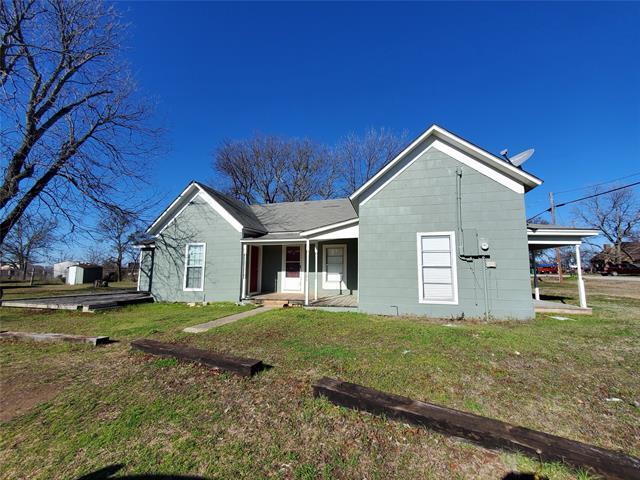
(459, 213)
(485, 288)
(153, 262)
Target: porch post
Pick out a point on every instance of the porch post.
(581, 291)
(536, 289)
(244, 271)
(306, 274)
(315, 288)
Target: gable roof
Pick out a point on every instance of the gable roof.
(285, 217)
(238, 215)
(239, 210)
(487, 159)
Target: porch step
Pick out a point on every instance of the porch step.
(274, 303)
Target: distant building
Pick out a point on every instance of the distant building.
(61, 269)
(11, 271)
(630, 254)
(84, 273)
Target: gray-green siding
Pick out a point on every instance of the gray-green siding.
(198, 222)
(145, 271)
(423, 199)
(272, 268)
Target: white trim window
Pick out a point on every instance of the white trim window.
(334, 258)
(194, 257)
(437, 274)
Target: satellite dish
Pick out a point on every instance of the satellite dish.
(521, 157)
(504, 153)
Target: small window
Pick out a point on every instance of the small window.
(437, 278)
(194, 266)
(335, 267)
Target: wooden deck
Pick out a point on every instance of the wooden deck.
(86, 303)
(345, 301)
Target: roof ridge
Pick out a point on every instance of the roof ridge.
(297, 201)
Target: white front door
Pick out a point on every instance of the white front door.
(292, 268)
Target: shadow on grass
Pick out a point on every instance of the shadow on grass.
(107, 473)
(524, 476)
(554, 298)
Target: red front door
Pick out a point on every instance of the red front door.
(254, 268)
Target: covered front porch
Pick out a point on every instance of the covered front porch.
(292, 299)
(317, 268)
(542, 237)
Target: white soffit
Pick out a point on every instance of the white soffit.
(558, 232)
(314, 231)
(348, 232)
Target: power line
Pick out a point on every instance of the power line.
(585, 198)
(598, 184)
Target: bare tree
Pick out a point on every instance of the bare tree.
(118, 229)
(616, 215)
(29, 241)
(73, 130)
(268, 169)
(361, 156)
(95, 255)
(310, 172)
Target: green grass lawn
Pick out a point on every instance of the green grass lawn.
(80, 409)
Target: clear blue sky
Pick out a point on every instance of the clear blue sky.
(561, 77)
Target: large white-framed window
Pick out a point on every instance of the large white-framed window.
(437, 273)
(334, 259)
(194, 257)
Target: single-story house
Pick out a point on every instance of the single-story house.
(439, 231)
(629, 253)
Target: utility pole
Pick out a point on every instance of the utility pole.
(553, 221)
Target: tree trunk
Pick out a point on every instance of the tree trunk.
(119, 268)
(12, 218)
(618, 251)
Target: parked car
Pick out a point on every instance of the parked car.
(550, 268)
(614, 269)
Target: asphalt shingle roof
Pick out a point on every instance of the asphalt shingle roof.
(285, 217)
(240, 211)
(301, 216)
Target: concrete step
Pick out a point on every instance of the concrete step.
(272, 303)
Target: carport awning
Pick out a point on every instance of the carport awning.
(541, 236)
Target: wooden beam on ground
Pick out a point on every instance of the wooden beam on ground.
(241, 366)
(483, 431)
(53, 337)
